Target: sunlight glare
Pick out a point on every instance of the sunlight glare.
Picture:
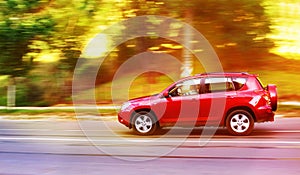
(285, 24)
(97, 47)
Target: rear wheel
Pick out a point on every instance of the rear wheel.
(144, 123)
(240, 122)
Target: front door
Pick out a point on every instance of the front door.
(182, 105)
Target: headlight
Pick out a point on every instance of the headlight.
(125, 106)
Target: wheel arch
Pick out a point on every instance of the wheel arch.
(142, 110)
(246, 108)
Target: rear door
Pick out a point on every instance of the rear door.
(217, 93)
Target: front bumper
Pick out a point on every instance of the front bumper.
(124, 118)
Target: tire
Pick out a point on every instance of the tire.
(144, 123)
(273, 96)
(240, 123)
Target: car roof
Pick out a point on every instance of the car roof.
(227, 74)
(219, 74)
(216, 74)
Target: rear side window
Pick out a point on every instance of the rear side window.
(239, 82)
(217, 84)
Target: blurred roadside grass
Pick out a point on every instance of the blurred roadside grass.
(287, 85)
(104, 114)
(288, 111)
(67, 114)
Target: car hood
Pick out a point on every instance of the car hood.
(145, 99)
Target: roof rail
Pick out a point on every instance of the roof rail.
(212, 73)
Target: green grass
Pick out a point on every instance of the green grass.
(70, 112)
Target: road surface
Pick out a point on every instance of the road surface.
(54, 147)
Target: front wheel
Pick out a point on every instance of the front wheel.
(240, 122)
(144, 123)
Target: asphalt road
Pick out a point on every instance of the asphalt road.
(54, 147)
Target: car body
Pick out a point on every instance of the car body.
(232, 100)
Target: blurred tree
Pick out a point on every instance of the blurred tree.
(237, 29)
(21, 22)
(78, 22)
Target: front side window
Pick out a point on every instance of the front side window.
(185, 88)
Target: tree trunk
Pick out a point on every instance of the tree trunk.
(11, 93)
(187, 65)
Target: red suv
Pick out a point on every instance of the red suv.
(232, 100)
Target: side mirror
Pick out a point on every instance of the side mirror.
(166, 94)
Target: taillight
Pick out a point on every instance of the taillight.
(267, 98)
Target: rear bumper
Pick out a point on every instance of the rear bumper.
(265, 114)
